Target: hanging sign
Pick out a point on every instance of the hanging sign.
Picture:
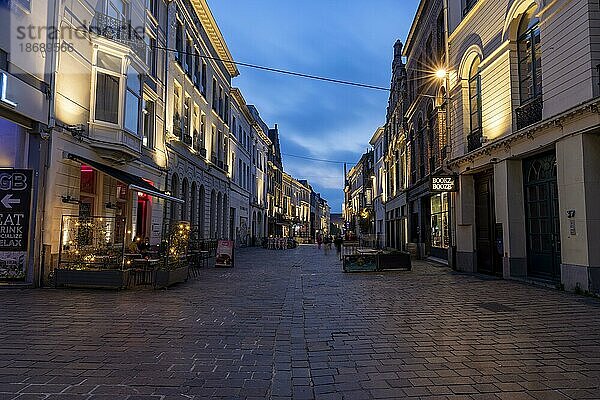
(15, 204)
(444, 183)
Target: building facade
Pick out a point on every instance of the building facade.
(395, 156)
(199, 120)
(26, 83)
(428, 211)
(108, 157)
(524, 90)
(359, 211)
(379, 186)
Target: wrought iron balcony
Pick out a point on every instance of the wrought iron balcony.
(119, 31)
(530, 113)
(474, 140)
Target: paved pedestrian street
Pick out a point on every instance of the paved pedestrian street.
(291, 324)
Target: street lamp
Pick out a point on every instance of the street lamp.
(441, 73)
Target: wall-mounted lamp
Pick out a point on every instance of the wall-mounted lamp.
(70, 200)
(112, 206)
(77, 131)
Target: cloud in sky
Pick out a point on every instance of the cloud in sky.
(343, 39)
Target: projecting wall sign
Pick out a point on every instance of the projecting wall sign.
(3, 86)
(444, 183)
(15, 204)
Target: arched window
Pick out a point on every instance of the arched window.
(184, 196)
(413, 157)
(194, 204)
(201, 212)
(475, 98)
(530, 60)
(421, 139)
(431, 138)
(175, 193)
(213, 215)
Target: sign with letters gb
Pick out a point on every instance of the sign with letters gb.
(15, 205)
(444, 183)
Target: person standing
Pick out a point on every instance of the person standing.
(319, 240)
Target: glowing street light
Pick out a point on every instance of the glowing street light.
(441, 73)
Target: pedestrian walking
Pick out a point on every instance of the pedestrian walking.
(319, 240)
(338, 244)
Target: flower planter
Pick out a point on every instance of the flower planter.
(100, 279)
(167, 277)
(395, 260)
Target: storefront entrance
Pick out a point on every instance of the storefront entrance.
(542, 218)
(488, 259)
(440, 227)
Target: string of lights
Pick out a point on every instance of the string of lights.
(264, 68)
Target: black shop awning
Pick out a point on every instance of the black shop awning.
(133, 182)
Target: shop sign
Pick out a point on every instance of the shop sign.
(15, 203)
(224, 253)
(3, 87)
(444, 183)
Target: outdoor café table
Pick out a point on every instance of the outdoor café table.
(144, 270)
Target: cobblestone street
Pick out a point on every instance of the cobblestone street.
(291, 324)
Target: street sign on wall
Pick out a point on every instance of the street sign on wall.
(15, 204)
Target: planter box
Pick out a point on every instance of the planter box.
(167, 277)
(100, 279)
(396, 260)
(360, 263)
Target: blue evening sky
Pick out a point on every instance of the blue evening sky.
(344, 39)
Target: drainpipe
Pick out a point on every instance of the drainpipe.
(50, 127)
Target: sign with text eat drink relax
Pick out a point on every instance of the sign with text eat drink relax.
(15, 205)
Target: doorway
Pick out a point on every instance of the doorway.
(542, 217)
(488, 260)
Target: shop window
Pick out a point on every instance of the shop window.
(122, 191)
(440, 235)
(87, 183)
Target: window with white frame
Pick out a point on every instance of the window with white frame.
(475, 97)
(202, 129)
(530, 60)
(195, 122)
(189, 56)
(186, 117)
(133, 97)
(108, 88)
(118, 9)
(148, 121)
(151, 54)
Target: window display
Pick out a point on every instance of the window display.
(439, 221)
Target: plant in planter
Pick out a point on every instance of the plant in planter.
(175, 267)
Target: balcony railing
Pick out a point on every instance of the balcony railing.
(474, 140)
(119, 31)
(530, 113)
